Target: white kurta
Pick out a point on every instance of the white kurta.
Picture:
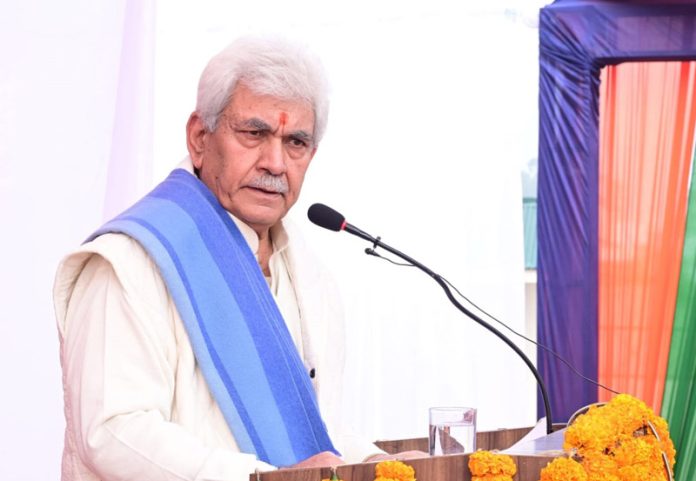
(136, 404)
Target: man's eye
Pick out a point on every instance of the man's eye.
(253, 133)
(298, 143)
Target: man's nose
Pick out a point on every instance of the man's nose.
(273, 156)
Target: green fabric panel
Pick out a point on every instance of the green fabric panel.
(679, 400)
(529, 207)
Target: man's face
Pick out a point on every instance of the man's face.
(255, 160)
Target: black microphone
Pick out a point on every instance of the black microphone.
(328, 218)
(324, 216)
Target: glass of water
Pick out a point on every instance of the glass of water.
(452, 430)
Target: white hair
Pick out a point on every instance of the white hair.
(267, 66)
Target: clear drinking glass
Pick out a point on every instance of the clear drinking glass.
(452, 430)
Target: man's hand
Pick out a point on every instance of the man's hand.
(398, 456)
(324, 459)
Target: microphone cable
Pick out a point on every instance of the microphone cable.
(372, 252)
(328, 218)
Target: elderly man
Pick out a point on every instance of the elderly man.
(199, 339)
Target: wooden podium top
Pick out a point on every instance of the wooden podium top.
(435, 468)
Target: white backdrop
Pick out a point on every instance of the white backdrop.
(433, 117)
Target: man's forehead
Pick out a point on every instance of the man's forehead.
(244, 95)
(260, 115)
(260, 120)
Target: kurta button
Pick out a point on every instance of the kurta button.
(312, 373)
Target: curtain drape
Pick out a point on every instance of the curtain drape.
(74, 147)
(129, 169)
(577, 38)
(679, 401)
(647, 116)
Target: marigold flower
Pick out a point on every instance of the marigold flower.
(492, 477)
(563, 469)
(482, 463)
(616, 443)
(394, 471)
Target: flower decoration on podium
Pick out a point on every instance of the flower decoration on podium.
(394, 471)
(489, 466)
(623, 440)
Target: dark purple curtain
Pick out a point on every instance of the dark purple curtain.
(576, 39)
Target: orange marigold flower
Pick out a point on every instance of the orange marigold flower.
(616, 443)
(604, 466)
(667, 445)
(394, 471)
(482, 463)
(642, 472)
(602, 476)
(563, 469)
(599, 428)
(640, 450)
(492, 477)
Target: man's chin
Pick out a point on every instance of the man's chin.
(260, 221)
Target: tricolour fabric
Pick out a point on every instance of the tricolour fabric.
(238, 335)
(576, 39)
(645, 163)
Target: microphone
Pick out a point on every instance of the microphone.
(328, 218)
(324, 216)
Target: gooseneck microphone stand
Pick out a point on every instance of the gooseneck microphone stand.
(377, 242)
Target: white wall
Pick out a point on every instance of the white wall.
(433, 115)
(63, 66)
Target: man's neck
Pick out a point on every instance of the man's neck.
(265, 250)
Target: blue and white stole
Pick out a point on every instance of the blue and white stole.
(239, 337)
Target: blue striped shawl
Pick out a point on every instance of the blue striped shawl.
(238, 335)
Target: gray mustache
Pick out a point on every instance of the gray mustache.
(271, 183)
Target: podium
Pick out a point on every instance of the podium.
(452, 467)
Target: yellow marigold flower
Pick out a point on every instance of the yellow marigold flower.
(616, 443)
(640, 450)
(604, 467)
(641, 472)
(394, 471)
(602, 476)
(599, 428)
(482, 463)
(492, 477)
(667, 445)
(563, 469)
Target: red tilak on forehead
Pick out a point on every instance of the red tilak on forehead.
(283, 119)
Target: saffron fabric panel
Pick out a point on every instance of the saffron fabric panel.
(678, 406)
(647, 118)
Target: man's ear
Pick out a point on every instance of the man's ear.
(196, 137)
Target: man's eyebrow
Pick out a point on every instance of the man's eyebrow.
(254, 123)
(301, 135)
